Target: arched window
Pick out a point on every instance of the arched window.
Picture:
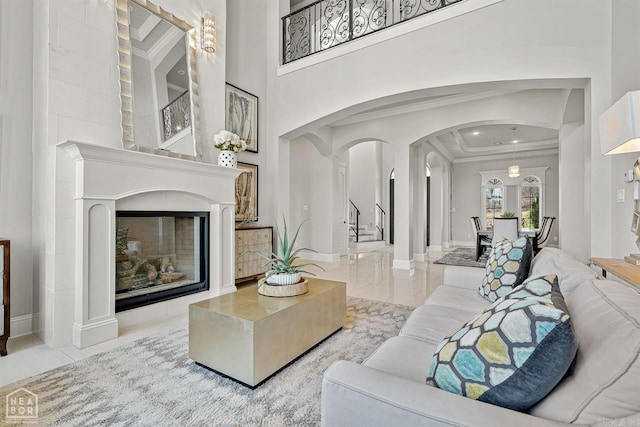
(530, 195)
(494, 200)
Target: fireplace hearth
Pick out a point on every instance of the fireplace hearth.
(159, 256)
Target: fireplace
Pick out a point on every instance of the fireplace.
(160, 256)
(99, 183)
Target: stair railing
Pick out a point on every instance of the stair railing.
(328, 23)
(380, 220)
(354, 219)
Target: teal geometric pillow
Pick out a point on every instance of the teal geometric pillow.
(513, 354)
(537, 287)
(507, 267)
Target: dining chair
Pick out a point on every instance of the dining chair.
(485, 241)
(545, 231)
(505, 228)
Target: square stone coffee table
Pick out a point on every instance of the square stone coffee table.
(249, 337)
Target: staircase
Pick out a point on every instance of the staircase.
(362, 235)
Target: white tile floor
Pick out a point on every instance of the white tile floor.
(368, 275)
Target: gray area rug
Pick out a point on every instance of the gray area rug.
(465, 257)
(152, 382)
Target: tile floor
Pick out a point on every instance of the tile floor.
(368, 275)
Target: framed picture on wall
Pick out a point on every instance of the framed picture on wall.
(247, 193)
(241, 115)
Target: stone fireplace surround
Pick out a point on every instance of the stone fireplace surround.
(109, 179)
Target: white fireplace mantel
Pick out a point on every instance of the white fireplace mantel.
(106, 176)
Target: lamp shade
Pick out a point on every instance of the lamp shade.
(620, 125)
(514, 171)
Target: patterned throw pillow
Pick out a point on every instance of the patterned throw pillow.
(514, 353)
(536, 287)
(507, 267)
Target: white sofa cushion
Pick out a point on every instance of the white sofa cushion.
(606, 379)
(569, 270)
(431, 322)
(458, 299)
(403, 357)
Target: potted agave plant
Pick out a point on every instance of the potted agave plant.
(285, 276)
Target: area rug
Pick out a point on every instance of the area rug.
(152, 381)
(465, 257)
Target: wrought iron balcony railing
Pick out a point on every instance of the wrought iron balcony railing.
(176, 116)
(328, 23)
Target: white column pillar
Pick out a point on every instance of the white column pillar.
(403, 209)
(95, 314)
(420, 204)
(222, 244)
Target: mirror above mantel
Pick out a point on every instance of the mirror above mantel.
(158, 81)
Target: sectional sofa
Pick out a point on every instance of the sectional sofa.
(601, 389)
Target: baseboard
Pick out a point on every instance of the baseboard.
(316, 256)
(21, 325)
(436, 248)
(402, 264)
(420, 257)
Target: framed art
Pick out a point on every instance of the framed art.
(241, 115)
(247, 193)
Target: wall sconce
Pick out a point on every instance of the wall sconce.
(208, 33)
(620, 125)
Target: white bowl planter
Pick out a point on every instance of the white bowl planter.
(279, 279)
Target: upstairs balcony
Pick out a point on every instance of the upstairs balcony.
(328, 23)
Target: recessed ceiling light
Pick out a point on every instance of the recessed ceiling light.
(181, 72)
(475, 133)
(515, 141)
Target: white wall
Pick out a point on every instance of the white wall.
(362, 182)
(312, 196)
(246, 67)
(16, 114)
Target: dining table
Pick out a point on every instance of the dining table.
(488, 234)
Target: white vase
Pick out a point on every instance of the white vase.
(227, 158)
(283, 278)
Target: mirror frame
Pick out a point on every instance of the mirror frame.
(126, 82)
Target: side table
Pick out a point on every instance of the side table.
(630, 273)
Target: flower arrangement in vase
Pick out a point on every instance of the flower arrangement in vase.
(229, 144)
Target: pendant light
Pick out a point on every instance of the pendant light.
(514, 170)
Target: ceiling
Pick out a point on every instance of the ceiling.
(492, 138)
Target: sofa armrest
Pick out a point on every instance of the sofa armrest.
(353, 394)
(463, 277)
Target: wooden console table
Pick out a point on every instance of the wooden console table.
(4, 295)
(251, 266)
(619, 267)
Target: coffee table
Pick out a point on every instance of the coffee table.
(249, 337)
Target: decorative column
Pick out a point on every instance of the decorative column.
(222, 256)
(403, 208)
(95, 315)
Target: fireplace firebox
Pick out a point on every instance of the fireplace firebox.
(159, 256)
